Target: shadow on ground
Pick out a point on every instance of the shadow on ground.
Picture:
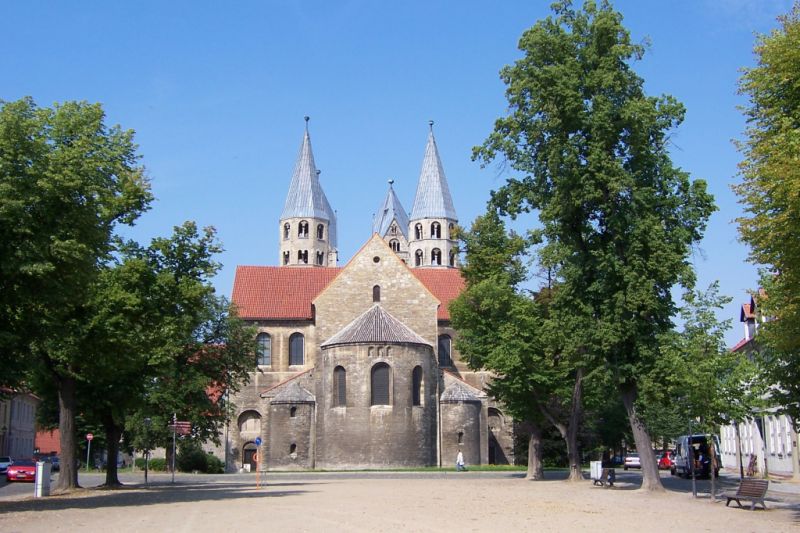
(154, 494)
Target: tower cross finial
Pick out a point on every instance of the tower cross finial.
(306, 118)
(391, 182)
(430, 123)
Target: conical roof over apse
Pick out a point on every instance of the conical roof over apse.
(391, 209)
(433, 198)
(306, 197)
(375, 325)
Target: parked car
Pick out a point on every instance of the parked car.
(21, 470)
(695, 450)
(667, 461)
(632, 460)
(5, 462)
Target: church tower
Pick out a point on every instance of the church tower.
(391, 223)
(308, 223)
(433, 218)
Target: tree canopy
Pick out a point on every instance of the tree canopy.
(770, 174)
(618, 219)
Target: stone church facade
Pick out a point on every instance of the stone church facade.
(356, 366)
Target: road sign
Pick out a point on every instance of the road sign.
(258, 441)
(89, 436)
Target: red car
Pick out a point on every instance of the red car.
(21, 470)
(667, 462)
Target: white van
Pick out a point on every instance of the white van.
(691, 447)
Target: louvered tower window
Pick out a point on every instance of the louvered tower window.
(381, 374)
(339, 387)
(296, 350)
(416, 386)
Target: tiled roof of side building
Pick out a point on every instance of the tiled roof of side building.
(269, 292)
(262, 292)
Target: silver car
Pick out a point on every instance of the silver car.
(5, 462)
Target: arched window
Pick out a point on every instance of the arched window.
(436, 230)
(302, 256)
(296, 349)
(286, 228)
(250, 422)
(320, 231)
(264, 349)
(381, 377)
(394, 244)
(292, 411)
(444, 350)
(416, 386)
(376, 293)
(450, 230)
(392, 230)
(452, 258)
(285, 258)
(302, 230)
(339, 387)
(418, 231)
(418, 258)
(320, 258)
(436, 257)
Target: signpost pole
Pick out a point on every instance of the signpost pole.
(256, 459)
(89, 438)
(174, 440)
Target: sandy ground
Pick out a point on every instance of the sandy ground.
(456, 503)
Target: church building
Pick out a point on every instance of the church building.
(356, 366)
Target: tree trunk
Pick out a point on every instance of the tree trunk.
(68, 475)
(535, 468)
(113, 434)
(573, 453)
(650, 478)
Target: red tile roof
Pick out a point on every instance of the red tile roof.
(740, 344)
(747, 312)
(268, 292)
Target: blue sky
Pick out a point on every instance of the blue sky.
(217, 94)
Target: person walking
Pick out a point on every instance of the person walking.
(460, 461)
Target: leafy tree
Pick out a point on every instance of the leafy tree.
(66, 181)
(770, 181)
(618, 219)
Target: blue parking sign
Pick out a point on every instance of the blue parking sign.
(258, 441)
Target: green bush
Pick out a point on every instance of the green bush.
(192, 458)
(214, 465)
(159, 464)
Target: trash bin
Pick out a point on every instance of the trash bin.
(41, 486)
(596, 470)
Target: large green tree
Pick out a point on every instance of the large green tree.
(66, 181)
(770, 193)
(617, 218)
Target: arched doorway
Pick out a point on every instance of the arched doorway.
(248, 455)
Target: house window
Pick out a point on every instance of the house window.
(286, 228)
(436, 230)
(339, 387)
(320, 231)
(418, 231)
(444, 351)
(302, 230)
(320, 258)
(302, 256)
(394, 244)
(296, 350)
(376, 293)
(436, 257)
(416, 386)
(264, 349)
(380, 375)
(418, 258)
(285, 258)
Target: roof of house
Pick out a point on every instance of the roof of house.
(433, 198)
(739, 345)
(270, 292)
(747, 312)
(375, 325)
(293, 392)
(457, 390)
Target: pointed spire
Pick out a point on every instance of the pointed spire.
(306, 197)
(433, 198)
(390, 210)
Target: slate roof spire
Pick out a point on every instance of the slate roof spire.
(433, 198)
(390, 210)
(306, 197)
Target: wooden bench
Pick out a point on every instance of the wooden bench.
(749, 489)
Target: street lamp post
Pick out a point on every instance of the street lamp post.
(146, 448)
